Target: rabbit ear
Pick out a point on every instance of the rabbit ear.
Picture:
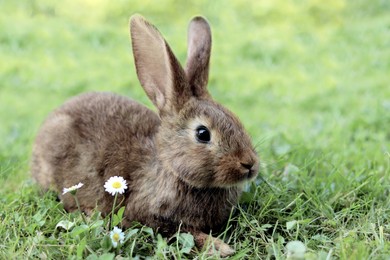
(158, 70)
(198, 56)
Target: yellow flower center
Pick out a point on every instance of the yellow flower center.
(116, 185)
(115, 237)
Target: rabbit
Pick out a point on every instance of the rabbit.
(185, 165)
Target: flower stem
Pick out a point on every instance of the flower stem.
(78, 206)
(112, 211)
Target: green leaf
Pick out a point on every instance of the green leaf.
(79, 230)
(107, 256)
(265, 227)
(81, 247)
(115, 220)
(65, 224)
(161, 247)
(106, 243)
(120, 213)
(39, 218)
(187, 242)
(247, 197)
(97, 224)
(291, 224)
(148, 230)
(31, 228)
(130, 233)
(92, 257)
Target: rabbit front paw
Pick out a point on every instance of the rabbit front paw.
(214, 246)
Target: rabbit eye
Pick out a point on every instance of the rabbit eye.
(203, 134)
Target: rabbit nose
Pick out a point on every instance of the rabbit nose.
(247, 166)
(249, 170)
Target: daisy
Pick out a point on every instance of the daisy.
(295, 250)
(72, 189)
(115, 185)
(117, 236)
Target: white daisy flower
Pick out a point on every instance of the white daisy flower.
(72, 189)
(115, 185)
(117, 236)
(295, 250)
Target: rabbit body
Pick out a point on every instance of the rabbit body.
(95, 136)
(184, 165)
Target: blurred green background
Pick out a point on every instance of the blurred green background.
(307, 73)
(309, 79)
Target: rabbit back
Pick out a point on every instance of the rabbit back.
(89, 139)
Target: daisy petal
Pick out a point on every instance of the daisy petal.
(72, 189)
(115, 185)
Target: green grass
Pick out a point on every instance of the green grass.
(309, 79)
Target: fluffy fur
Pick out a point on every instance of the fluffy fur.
(173, 179)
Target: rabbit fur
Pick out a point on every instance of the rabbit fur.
(174, 180)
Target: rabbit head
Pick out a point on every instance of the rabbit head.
(199, 141)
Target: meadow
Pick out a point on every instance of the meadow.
(309, 79)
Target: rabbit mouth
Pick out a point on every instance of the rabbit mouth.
(249, 174)
(248, 170)
(235, 177)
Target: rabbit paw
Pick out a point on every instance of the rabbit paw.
(220, 248)
(215, 246)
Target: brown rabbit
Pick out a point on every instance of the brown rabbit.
(184, 166)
